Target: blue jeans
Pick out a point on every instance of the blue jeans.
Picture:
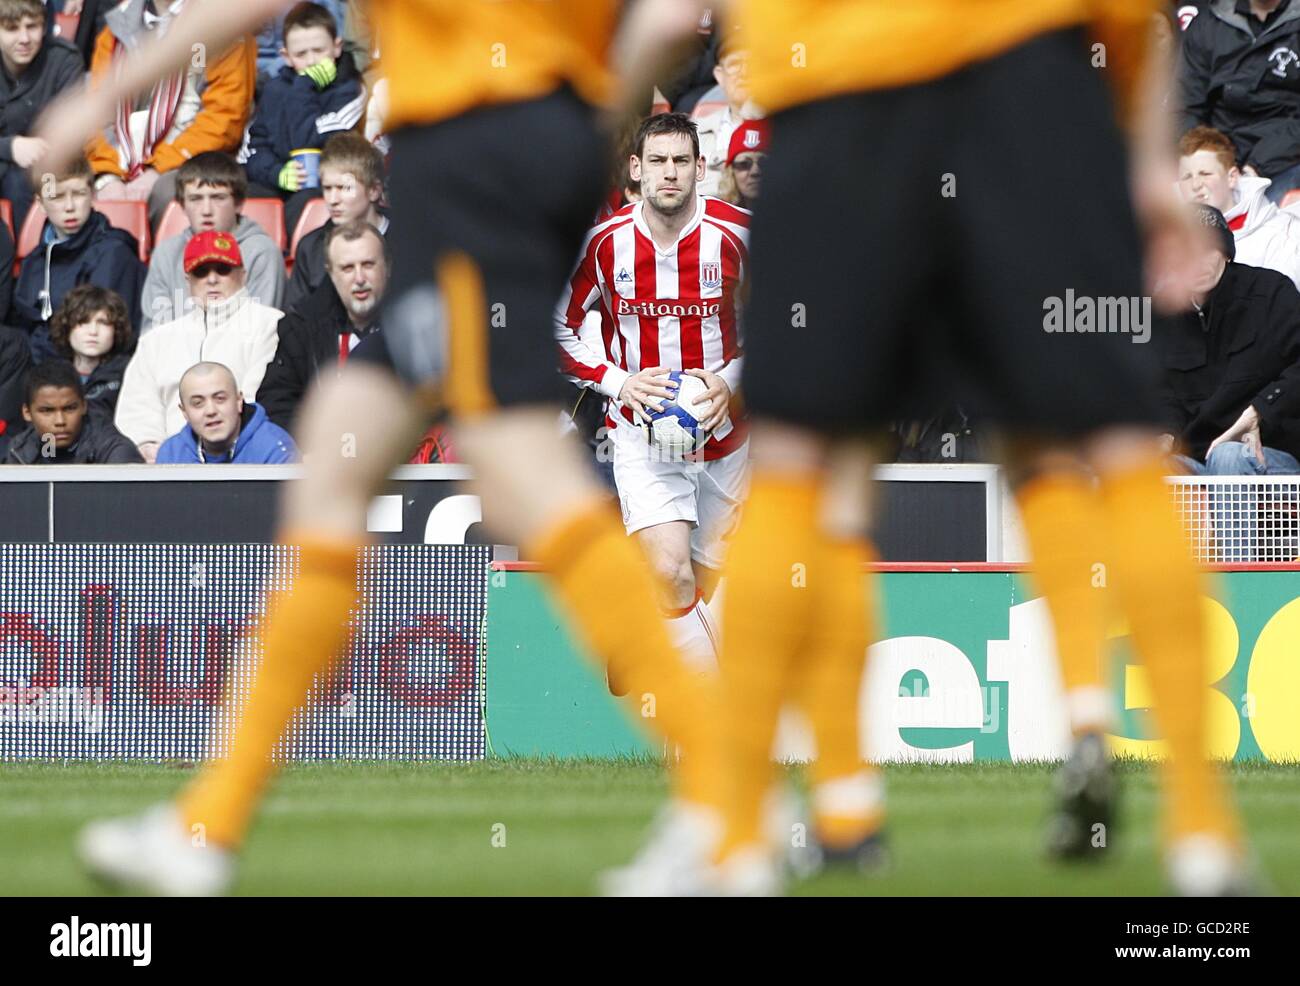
(1235, 511)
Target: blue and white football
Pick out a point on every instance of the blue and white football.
(676, 429)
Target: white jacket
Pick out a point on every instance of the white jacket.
(1271, 236)
(237, 332)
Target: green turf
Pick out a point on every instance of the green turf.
(429, 828)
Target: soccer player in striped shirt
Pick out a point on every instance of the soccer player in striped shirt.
(665, 274)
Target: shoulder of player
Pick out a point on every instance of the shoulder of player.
(721, 212)
(602, 230)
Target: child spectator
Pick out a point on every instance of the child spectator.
(270, 39)
(199, 109)
(224, 325)
(317, 94)
(221, 427)
(33, 70)
(93, 332)
(211, 188)
(59, 429)
(78, 246)
(352, 183)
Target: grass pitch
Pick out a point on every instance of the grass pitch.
(541, 827)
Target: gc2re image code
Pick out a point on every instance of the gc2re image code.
(147, 652)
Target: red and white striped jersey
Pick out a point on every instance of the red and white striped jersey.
(678, 308)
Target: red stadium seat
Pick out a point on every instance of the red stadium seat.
(7, 215)
(269, 214)
(132, 216)
(1291, 198)
(315, 214)
(30, 235)
(65, 26)
(173, 222)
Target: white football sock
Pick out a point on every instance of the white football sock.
(695, 637)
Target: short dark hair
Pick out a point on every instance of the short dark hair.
(309, 15)
(80, 305)
(215, 170)
(354, 230)
(51, 373)
(665, 123)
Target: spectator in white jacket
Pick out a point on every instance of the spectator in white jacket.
(224, 326)
(715, 129)
(1265, 235)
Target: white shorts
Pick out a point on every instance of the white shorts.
(705, 494)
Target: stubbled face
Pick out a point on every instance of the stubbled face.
(212, 405)
(209, 207)
(56, 411)
(668, 170)
(359, 273)
(20, 42)
(68, 204)
(346, 196)
(213, 283)
(748, 169)
(305, 46)
(94, 337)
(1203, 178)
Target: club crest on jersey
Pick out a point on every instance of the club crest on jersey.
(1282, 58)
(710, 275)
(622, 277)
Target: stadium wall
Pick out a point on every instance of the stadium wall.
(964, 672)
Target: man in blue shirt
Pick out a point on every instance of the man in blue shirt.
(220, 427)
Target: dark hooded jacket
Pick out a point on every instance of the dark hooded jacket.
(1242, 76)
(1242, 348)
(309, 343)
(98, 443)
(98, 254)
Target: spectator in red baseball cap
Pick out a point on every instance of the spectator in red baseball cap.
(743, 170)
(225, 325)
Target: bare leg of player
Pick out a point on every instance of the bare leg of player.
(354, 428)
(538, 493)
(796, 619)
(668, 547)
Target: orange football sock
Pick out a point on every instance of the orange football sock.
(1160, 591)
(768, 606)
(305, 629)
(603, 581)
(847, 792)
(1063, 519)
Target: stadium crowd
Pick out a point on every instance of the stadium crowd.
(223, 242)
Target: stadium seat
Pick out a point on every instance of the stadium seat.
(173, 221)
(65, 26)
(132, 216)
(269, 214)
(1291, 198)
(315, 214)
(7, 215)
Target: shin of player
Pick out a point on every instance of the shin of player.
(797, 559)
